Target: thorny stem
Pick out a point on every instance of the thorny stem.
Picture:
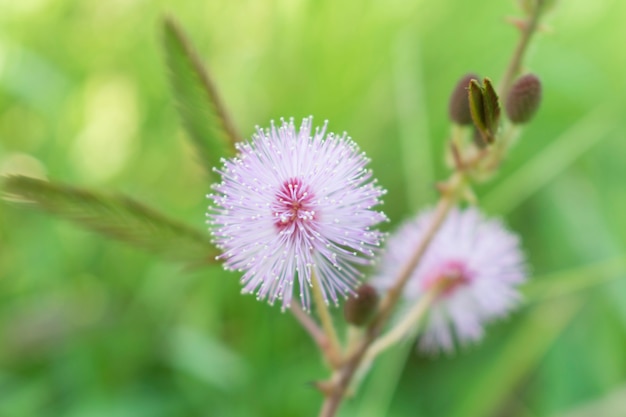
(342, 376)
(333, 349)
(447, 200)
(450, 194)
(337, 385)
(515, 65)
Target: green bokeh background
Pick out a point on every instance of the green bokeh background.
(91, 327)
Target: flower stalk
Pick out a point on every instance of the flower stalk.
(339, 382)
(406, 327)
(451, 191)
(333, 347)
(515, 65)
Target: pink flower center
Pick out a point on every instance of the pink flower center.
(293, 207)
(449, 277)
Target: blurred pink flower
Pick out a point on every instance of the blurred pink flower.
(291, 203)
(478, 265)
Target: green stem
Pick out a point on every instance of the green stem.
(515, 65)
(341, 378)
(321, 304)
(407, 326)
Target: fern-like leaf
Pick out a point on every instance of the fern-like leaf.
(114, 216)
(201, 110)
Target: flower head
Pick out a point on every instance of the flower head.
(292, 206)
(476, 265)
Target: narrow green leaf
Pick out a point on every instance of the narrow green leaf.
(610, 404)
(484, 108)
(521, 353)
(475, 96)
(412, 119)
(492, 107)
(117, 217)
(377, 394)
(552, 160)
(202, 113)
(570, 281)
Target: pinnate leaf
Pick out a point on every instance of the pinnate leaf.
(202, 113)
(114, 216)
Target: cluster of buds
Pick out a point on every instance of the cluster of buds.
(296, 214)
(476, 104)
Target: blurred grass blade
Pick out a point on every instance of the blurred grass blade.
(412, 120)
(382, 384)
(611, 404)
(551, 161)
(500, 377)
(197, 354)
(201, 110)
(562, 283)
(116, 217)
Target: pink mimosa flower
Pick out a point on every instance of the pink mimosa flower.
(477, 265)
(293, 205)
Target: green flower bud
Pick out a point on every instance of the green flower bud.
(458, 107)
(484, 108)
(523, 99)
(359, 308)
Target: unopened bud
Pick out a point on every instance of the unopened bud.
(523, 99)
(458, 107)
(360, 307)
(484, 108)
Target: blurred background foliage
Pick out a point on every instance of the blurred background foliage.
(92, 327)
